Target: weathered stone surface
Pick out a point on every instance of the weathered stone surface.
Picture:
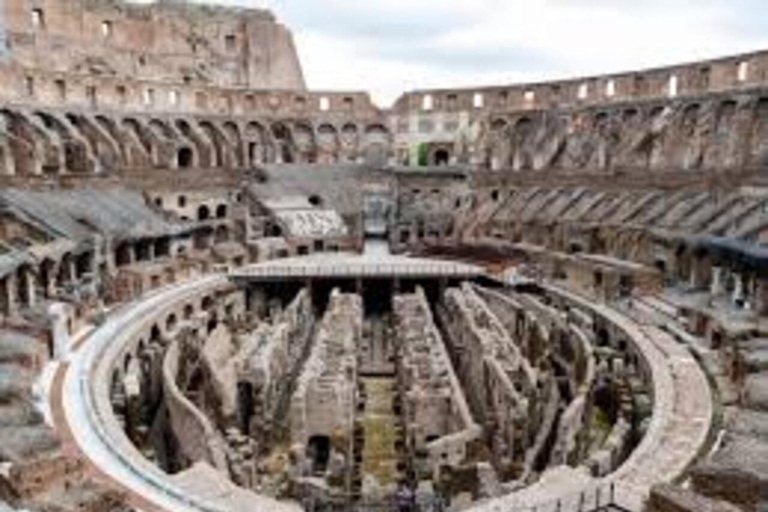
(743, 422)
(756, 391)
(668, 498)
(737, 473)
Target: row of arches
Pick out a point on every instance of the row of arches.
(716, 133)
(48, 143)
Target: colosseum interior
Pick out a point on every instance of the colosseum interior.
(221, 291)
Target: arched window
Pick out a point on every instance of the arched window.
(203, 213)
(442, 157)
(221, 211)
(184, 158)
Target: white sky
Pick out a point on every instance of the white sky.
(391, 46)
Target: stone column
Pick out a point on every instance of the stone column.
(28, 282)
(761, 296)
(71, 270)
(11, 295)
(738, 288)
(716, 287)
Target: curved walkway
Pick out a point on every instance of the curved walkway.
(95, 429)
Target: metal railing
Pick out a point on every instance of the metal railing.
(604, 498)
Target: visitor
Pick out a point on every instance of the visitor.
(438, 502)
(406, 500)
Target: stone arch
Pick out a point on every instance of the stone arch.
(522, 133)
(233, 133)
(724, 149)
(222, 151)
(185, 158)
(131, 151)
(304, 143)
(498, 154)
(350, 141)
(221, 234)
(327, 143)
(204, 148)
(376, 145)
(168, 142)
(442, 157)
(105, 148)
(144, 137)
(171, 322)
(23, 145)
(283, 139)
(759, 149)
(688, 130)
(77, 156)
(258, 151)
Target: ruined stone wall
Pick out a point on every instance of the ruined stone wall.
(268, 361)
(500, 384)
(324, 401)
(703, 115)
(165, 41)
(438, 417)
(42, 145)
(196, 436)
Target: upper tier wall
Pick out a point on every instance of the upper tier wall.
(174, 41)
(44, 88)
(724, 74)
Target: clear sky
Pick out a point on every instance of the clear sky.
(390, 46)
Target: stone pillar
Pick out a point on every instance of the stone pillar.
(12, 295)
(57, 315)
(738, 288)
(761, 296)
(716, 287)
(699, 272)
(7, 301)
(28, 282)
(71, 270)
(109, 256)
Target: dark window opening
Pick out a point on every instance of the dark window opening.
(442, 157)
(185, 158)
(230, 43)
(319, 453)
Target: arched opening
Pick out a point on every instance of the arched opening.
(221, 211)
(442, 157)
(189, 310)
(184, 158)
(213, 323)
(203, 213)
(221, 235)
(245, 406)
(275, 230)
(171, 322)
(319, 453)
(315, 200)
(603, 338)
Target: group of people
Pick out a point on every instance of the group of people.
(405, 500)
